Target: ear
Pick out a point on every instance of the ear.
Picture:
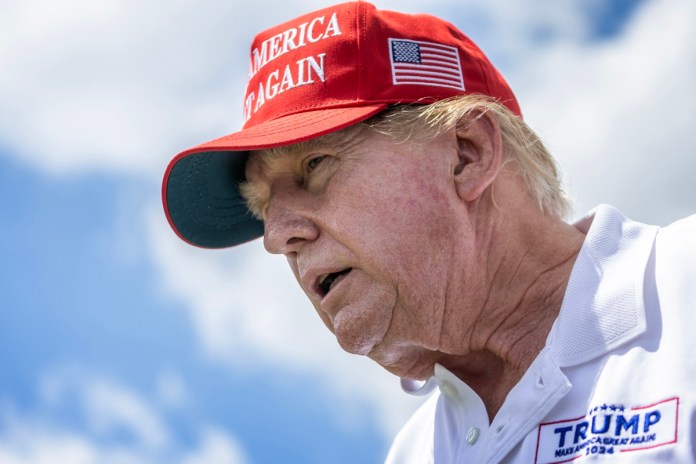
(479, 147)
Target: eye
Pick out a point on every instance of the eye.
(314, 162)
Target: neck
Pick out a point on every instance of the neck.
(523, 301)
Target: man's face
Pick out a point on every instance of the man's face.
(372, 231)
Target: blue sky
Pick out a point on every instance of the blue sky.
(120, 344)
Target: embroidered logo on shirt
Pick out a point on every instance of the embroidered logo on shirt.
(608, 429)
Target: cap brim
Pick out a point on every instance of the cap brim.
(200, 190)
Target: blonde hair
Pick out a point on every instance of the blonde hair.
(521, 144)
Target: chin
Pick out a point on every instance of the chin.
(359, 345)
(408, 366)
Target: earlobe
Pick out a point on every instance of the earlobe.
(479, 150)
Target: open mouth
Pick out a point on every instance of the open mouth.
(327, 281)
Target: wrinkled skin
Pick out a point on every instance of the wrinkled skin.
(449, 258)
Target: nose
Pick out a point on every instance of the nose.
(287, 224)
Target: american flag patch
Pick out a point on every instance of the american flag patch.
(425, 63)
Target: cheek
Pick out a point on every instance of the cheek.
(412, 226)
(400, 203)
(401, 225)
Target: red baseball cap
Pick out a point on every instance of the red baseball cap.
(316, 74)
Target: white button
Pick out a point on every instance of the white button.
(472, 435)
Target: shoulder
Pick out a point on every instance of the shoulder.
(683, 231)
(676, 247)
(675, 277)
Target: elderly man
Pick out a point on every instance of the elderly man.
(387, 159)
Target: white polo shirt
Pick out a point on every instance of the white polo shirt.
(616, 381)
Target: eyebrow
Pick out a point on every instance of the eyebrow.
(256, 194)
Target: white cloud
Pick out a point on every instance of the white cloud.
(216, 448)
(619, 115)
(121, 86)
(107, 409)
(36, 443)
(24, 444)
(111, 408)
(112, 85)
(106, 406)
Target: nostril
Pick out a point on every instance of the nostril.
(294, 240)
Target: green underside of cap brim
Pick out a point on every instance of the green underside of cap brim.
(204, 203)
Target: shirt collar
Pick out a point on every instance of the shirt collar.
(603, 305)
